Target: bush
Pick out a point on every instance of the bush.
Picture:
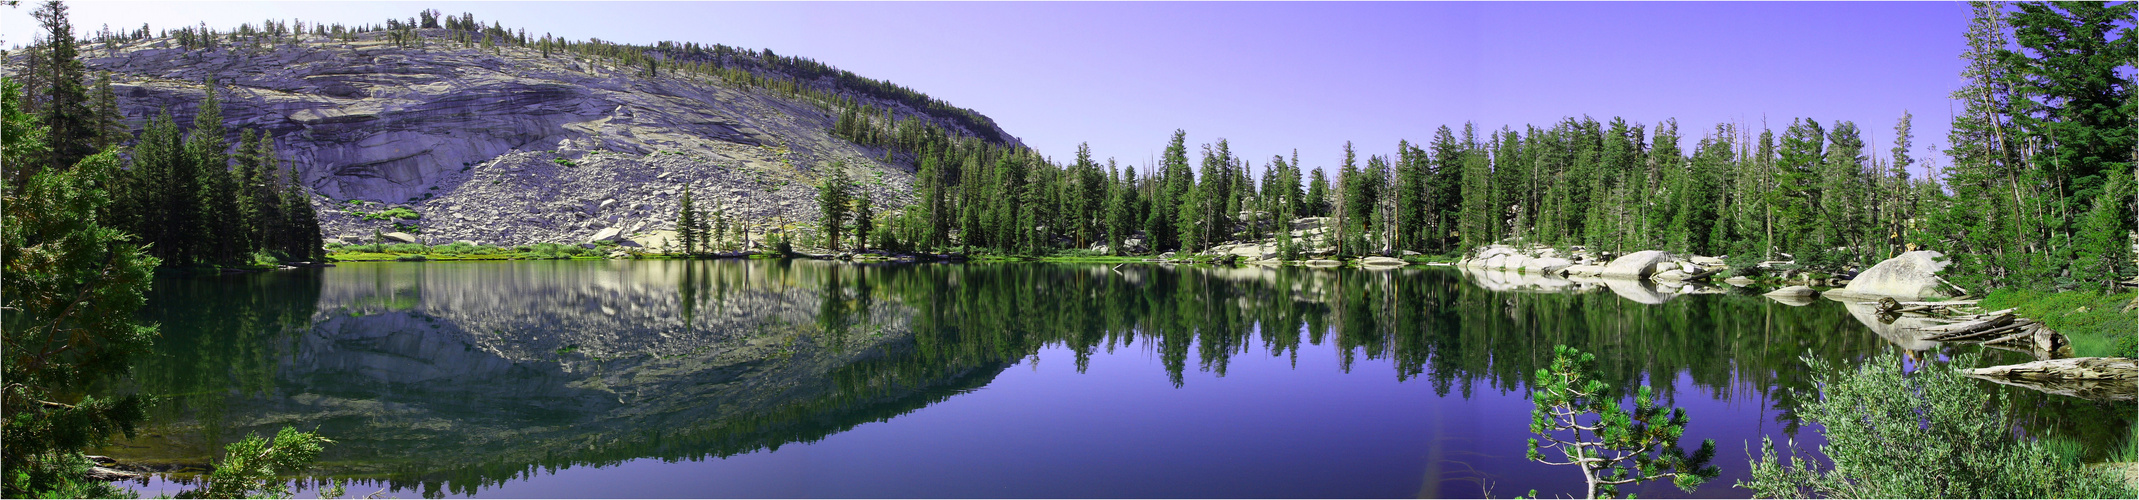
(263, 258)
(1930, 434)
(405, 248)
(2096, 322)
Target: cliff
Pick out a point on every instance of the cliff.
(512, 145)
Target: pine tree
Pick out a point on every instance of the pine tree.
(2103, 253)
(71, 128)
(1841, 224)
(218, 211)
(247, 176)
(833, 194)
(1318, 195)
(1796, 196)
(864, 221)
(1120, 202)
(1478, 221)
(110, 123)
(2078, 75)
(303, 237)
(1900, 200)
(687, 223)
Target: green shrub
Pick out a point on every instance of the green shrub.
(565, 163)
(1930, 434)
(253, 467)
(263, 258)
(2096, 322)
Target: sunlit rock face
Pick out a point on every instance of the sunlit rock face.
(459, 131)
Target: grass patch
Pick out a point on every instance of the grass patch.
(2096, 322)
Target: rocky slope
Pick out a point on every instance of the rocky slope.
(505, 145)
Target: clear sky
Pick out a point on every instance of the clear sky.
(1271, 77)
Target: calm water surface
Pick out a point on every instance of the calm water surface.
(816, 379)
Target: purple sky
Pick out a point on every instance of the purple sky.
(1272, 77)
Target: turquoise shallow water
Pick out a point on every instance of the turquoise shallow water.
(815, 379)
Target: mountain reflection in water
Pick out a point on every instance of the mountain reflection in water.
(465, 378)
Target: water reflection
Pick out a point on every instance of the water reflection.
(453, 377)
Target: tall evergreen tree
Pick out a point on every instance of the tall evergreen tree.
(833, 195)
(71, 129)
(218, 217)
(687, 222)
(864, 220)
(303, 238)
(1796, 195)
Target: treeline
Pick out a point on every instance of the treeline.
(184, 193)
(2039, 192)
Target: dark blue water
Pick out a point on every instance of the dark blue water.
(811, 379)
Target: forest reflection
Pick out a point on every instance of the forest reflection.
(450, 377)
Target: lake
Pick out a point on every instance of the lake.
(767, 378)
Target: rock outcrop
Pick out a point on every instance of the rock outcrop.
(510, 145)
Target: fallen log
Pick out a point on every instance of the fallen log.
(1976, 333)
(1958, 329)
(2025, 333)
(2065, 369)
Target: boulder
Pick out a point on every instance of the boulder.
(1738, 281)
(1323, 263)
(1912, 275)
(397, 237)
(1585, 270)
(1549, 265)
(1249, 251)
(605, 234)
(1672, 276)
(1516, 262)
(1637, 265)
(1704, 261)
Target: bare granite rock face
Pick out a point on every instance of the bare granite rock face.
(506, 146)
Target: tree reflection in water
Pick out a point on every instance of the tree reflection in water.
(451, 377)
